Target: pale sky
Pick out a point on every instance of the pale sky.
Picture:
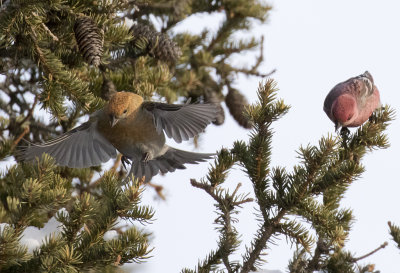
(313, 45)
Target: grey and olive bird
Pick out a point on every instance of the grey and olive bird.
(135, 128)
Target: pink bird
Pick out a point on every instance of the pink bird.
(351, 103)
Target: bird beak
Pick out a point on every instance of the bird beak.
(113, 121)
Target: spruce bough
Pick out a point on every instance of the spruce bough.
(288, 202)
(67, 57)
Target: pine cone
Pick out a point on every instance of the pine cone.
(212, 97)
(236, 104)
(90, 40)
(157, 44)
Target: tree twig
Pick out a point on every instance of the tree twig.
(39, 52)
(228, 232)
(18, 139)
(260, 58)
(253, 72)
(207, 188)
(210, 190)
(314, 263)
(267, 231)
(112, 169)
(55, 38)
(382, 246)
(159, 190)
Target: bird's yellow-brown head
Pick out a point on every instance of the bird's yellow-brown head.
(121, 105)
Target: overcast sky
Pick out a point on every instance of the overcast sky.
(313, 45)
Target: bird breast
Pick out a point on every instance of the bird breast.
(134, 134)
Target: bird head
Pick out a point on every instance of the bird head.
(366, 83)
(367, 76)
(344, 110)
(121, 105)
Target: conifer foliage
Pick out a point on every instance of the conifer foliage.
(395, 232)
(290, 202)
(65, 58)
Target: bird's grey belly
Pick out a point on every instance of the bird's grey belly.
(136, 138)
(137, 150)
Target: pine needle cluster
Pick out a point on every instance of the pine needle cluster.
(66, 57)
(303, 204)
(44, 191)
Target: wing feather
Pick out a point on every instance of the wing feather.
(181, 122)
(81, 147)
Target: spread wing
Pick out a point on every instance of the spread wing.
(81, 147)
(181, 122)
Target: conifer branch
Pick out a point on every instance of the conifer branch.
(260, 58)
(266, 231)
(19, 138)
(395, 232)
(11, 252)
(226, 205)
(253, 72)
(30, 112)
(117, 162)
(39, 52)
(39, 57)
(382, 246)
(209, 263)
(159, 6)
(158, 189)
(320, 249)
(55, 38)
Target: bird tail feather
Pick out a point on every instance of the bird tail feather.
(170, 161)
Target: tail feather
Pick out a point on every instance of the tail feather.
(170, 161)
(183, 157)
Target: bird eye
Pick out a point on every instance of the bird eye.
(126, 110)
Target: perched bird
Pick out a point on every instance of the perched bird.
(136, 129)
(351, 103)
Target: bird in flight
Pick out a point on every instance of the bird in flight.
(137, 129)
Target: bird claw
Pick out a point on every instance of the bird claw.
(345, 131)
(125, 160)
(372, 118)
(146, 157)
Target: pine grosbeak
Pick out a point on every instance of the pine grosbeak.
(351, 103)
(136, 129)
